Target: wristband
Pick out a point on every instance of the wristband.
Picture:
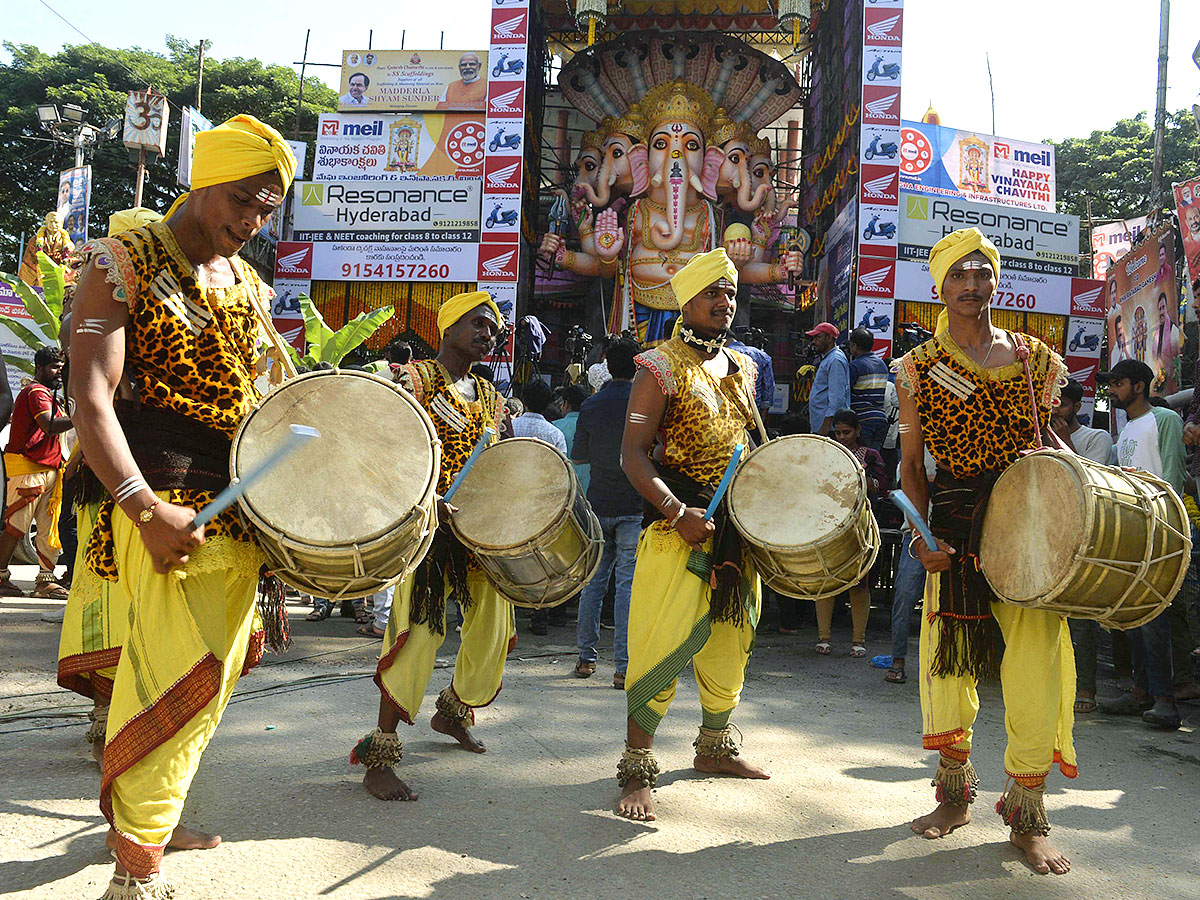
(679, 515)
(146, 514)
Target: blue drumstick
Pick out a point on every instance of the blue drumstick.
(724, 484)
(918, 521)
(300, 434)
(484, 440)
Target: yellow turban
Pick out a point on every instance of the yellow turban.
(951, 249)
(125, 219)
(460, 304)
(237, 149)
(702, 270)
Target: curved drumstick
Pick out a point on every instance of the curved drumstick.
(723, 486)
(906, 506)
(300, 434)
(484, 440)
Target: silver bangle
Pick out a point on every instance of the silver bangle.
(679, 515)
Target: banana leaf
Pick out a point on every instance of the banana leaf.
(54, 287)
(354, 333)
(42, 317)
(316, 332)
(23, 333)
(25, 365)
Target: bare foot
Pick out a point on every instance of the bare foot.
(382, 782)
(98, 753)
(942, 820)
(635, 802)
(459, 732)
(730, 765)
(182, 838)
(1040, 855)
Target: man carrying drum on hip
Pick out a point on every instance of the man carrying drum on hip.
(171, 303)
(968, 395)
(462, 406)
(700, 396)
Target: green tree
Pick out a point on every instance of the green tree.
(98, 79)
(1113, 168)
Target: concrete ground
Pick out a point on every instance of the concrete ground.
(532, 818)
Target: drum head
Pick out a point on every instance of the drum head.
(795, 490)
(515, 492)
(373, 463)
(1033, 527)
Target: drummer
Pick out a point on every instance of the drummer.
(461, 405)
(700, 395)
(965, 396)
(172, 302)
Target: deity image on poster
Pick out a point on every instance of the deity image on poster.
(404, 139)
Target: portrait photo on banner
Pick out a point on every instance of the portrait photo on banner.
(1143, 308)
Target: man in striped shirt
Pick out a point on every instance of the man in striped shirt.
(868, 380)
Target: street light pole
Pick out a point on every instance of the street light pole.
(1160, 111)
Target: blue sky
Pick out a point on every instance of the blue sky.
(1062, 68)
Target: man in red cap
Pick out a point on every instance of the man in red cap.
(831, 385)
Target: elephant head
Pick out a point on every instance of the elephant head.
(623, 167)
(733, 180)
(762, 174)
(681, 172)
(587, 167)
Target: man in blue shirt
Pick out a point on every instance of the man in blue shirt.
(868, 382)
(571, 399)
(764, 384)
(616, 503)
(831, 384)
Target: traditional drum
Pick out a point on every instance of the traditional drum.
(520, 510)
(800, 502)
(354, 511)
(1070, 536)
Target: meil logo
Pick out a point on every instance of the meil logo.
(312, 195)
(329, 128)
(1032, 159)
(1001, 150)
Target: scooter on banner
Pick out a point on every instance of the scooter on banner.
(880, 147)
(500, 218)
(875, 229)
(504, 67)
(880, 69)
(502, 141)
(873, 322)
(1083, 341)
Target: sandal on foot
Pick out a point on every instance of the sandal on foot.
(49, 590)
(364, 618)
(585, 669)
(822, 648)
(1085, 704)
(369, 630)
(322, 610)
(858, 651)
(895, 675)
(8, 589)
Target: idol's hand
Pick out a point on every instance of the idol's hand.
(933, 560)
(693, 528)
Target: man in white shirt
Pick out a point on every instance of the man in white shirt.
(1152, 440)
(538, 396)
(359, 82)
(1096, 445)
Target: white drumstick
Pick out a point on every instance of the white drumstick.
(300, 434)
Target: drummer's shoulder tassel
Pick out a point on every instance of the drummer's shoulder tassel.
(955, 781)
(272, 608)
(454, 709)
(716, 743)
(379, 749)
(127, 887)
(638, 764)
(1023, 809)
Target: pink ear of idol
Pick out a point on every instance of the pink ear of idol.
(639, 166)
(713, 157)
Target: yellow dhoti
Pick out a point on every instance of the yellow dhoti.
(1037, 679)
(670, 626)
(188, 641)
(34, 494)
(94, 624)
(410, 650)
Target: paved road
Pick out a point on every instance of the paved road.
(532, 817)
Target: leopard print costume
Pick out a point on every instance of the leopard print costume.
(705, 417)
(189, 349)
(459, 422)
(977, 420)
